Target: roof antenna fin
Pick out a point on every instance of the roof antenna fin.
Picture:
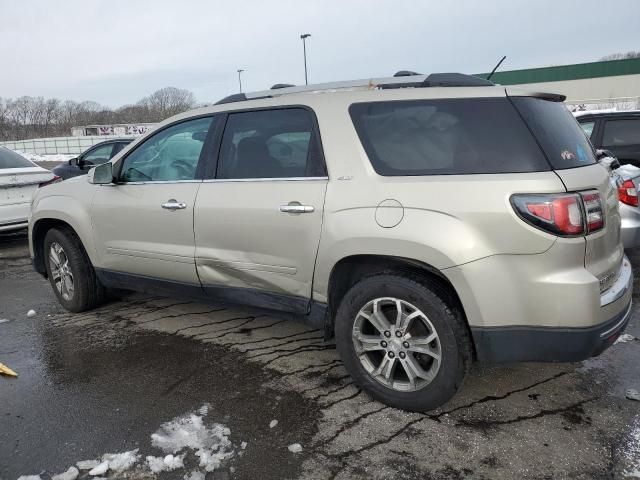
(496, 67)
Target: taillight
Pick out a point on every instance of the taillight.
(562, 214)
(55, 179)
(628, 194)
(593, 210)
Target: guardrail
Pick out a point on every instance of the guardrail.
(58, 145)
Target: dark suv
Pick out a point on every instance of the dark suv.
(618, 132)
(96, 155)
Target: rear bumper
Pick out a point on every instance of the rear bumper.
(546, 344)
(630, 226)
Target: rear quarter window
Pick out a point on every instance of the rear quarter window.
(559, 134)
(11, 159)
(446, 137)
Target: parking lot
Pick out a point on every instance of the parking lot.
(105, 381)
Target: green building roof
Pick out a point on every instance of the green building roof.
(577, 71)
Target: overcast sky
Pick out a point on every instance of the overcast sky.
(117, 51)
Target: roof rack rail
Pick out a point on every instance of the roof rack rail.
(400, 81)
(405, 73)
(278, 86)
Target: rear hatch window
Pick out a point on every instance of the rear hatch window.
(446, 137)
(10, 159)
(560, 136)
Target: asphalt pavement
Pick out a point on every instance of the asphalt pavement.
(141, 370)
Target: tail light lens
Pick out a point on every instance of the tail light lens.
(564, 214)
(55, 179)
(628, 194)
(594, 214)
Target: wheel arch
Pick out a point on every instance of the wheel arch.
(351, 269)
(38, 232)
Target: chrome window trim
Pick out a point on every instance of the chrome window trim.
(161, 182)
(275, 179)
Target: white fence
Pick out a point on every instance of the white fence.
(57, 145)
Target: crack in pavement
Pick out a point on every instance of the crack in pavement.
(327, 406)
(346, 426)
(311, 367)
(216, 322)
(284, 350)
(288, 342)
(229, 331)
(279, 338)
(181, 315)
(311, 348)
(330, 392)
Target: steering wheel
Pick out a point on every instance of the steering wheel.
(184, 168)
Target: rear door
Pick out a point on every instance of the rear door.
(622, 137)
(258, 219)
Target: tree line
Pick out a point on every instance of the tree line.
(38, 117)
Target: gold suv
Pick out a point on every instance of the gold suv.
(426, 221)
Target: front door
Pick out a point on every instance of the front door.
(143, 224)
(258, 222)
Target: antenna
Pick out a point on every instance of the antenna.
(496, 67)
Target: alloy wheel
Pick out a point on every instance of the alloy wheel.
(61, 271)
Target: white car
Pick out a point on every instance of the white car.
(19, 179)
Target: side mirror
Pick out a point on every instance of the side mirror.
(73, 161)
(101, 175)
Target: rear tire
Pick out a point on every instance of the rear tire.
(426, 348)
(70, 272)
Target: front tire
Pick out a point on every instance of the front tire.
(401, 342)
(70, 271)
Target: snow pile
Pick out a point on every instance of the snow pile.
(31, 313)
(295, 448)
(87, 464)
(168, 463)
(100, 469)
(210, 444)
(58, 157)
(624, 338)
(70, 474)
(30, 477)
(273, 423)
(119, 462)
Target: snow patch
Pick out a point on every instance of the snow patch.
(29, 477)
(119, 462)
(31, 313)
(624, 338)
(632, 394)
(166, 464)
(87, 464)
(58, 157)
(100, 469)
(71, 474)
(204, 410)
(295, 448)
(243, 445)
(4, 320)
(273, 423)
(210, 444)
(631, 452)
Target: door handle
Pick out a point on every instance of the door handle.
(174, 205)
(296, 207)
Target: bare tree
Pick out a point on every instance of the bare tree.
(621, 56)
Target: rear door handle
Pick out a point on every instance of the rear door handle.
(174, 205)
(296, 207)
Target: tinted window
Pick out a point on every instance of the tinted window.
(587, 128)
(452, 136)
(171, 154)
(10, 159)
(558, 132)
(99, 154)
(270, 144)
(618, 133)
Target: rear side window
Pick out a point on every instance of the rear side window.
(559, 134)
(587, 128)
(619, 133)
(10, 159)
(270, 144)
(446, 137)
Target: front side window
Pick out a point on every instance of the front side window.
(98, 155)
(172, 154)
(270, 144)
(587, 128)
(620, 133)
(446, 137)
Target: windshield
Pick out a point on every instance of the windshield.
(10, 159)
(557, 131)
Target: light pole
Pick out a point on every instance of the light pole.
(304, 36)
(240, 79)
